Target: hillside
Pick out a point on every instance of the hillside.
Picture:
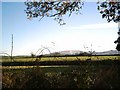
(78, 52)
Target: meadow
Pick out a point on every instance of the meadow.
(63, 72)
(59, 58)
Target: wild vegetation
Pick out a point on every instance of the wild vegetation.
(81, 76)
(69, 73)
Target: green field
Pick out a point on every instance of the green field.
(71, 58)
(99, 72)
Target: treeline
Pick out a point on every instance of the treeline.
(40, 56)
(51, 63)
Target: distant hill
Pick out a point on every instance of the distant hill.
(78, 52)
(70, 52)
(73, 52)
(110, 52)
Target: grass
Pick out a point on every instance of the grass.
(82, 76)
(71, 58)
(99, 72)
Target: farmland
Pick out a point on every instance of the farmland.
(59, 58)
(61, 72)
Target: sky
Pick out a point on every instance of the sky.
(0, 26)
(87, 29)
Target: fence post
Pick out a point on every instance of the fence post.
(12, 49)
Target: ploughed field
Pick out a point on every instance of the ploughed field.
(61, 72)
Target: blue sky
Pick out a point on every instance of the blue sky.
(1, 25)
(80, 30)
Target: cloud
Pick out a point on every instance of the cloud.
(94, 26)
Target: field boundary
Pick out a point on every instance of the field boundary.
(50, 63)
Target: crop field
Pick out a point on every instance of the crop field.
(64, 58)
(69, 72)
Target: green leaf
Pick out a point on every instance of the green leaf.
(98, 7)
(104, 15)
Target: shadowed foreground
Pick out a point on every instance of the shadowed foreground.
(88, 74)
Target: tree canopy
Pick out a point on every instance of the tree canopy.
(51, 8)
(110, 9)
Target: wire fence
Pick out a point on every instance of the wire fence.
(61, 74)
